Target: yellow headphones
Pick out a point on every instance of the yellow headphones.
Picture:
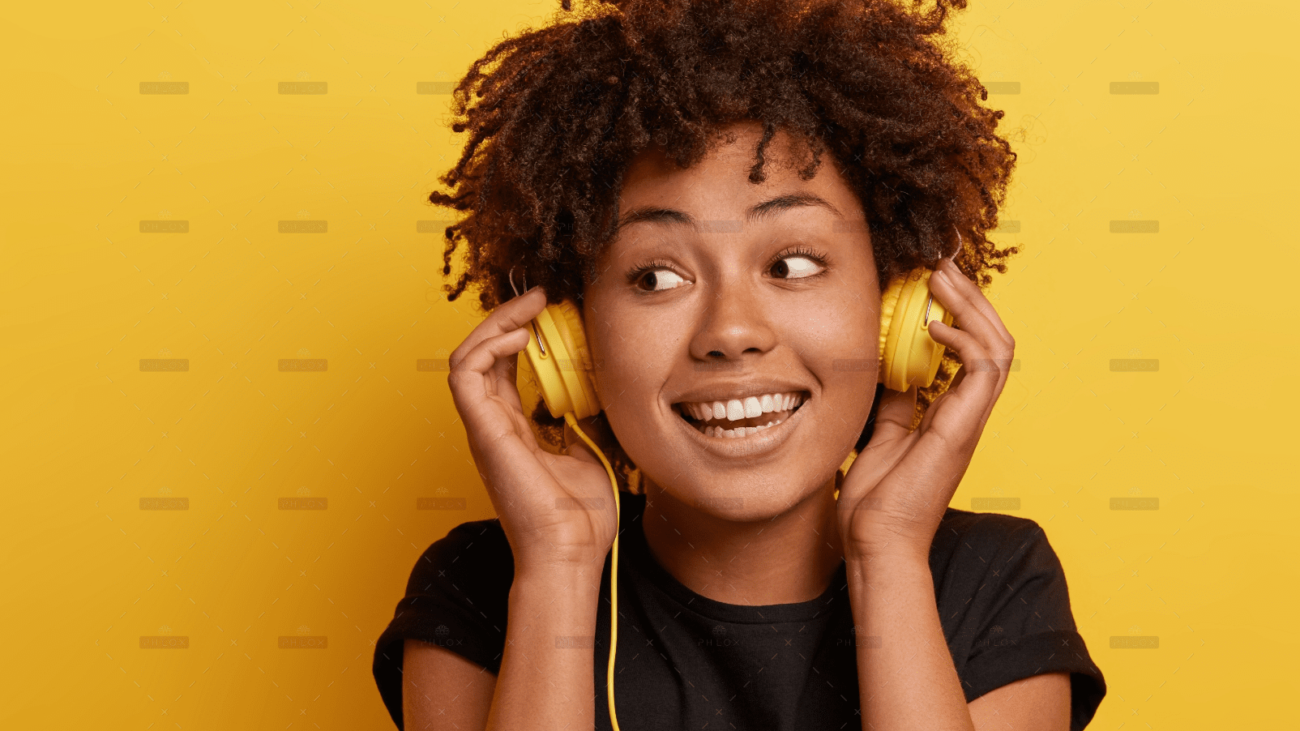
(561, 364)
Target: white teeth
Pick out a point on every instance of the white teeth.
(746, 408)
(737, 433)
(735, 410)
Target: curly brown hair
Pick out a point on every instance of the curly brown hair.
(555, 115)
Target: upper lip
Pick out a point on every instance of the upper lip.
(740, 390)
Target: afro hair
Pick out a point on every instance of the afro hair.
(555, 115)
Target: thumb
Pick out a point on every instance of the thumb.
(894, 417)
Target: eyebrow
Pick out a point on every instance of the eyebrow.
(656, 214)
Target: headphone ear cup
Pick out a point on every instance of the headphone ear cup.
(564, 371)
(908, 355)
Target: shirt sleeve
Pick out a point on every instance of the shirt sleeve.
(456, 598)
(1019, 622)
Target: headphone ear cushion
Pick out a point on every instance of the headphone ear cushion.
(568, 362)
(908, 355)
(888, 303)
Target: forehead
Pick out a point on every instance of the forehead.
(719, 185)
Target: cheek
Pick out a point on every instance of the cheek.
(629, 370)
(630, 390)
(841, 349)
(839, 330)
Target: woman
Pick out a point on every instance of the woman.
(725, 188)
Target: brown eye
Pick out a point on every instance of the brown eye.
(660, 279)
(806, 269)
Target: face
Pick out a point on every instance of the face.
(724, 306)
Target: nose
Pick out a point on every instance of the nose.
(735, 321)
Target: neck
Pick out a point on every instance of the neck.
(787, 559)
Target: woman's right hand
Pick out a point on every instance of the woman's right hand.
(556, 510)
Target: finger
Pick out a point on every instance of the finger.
(523, 422)
(510, 316)
(933, 409)
(503, 379)
(993, 356)
(934, 405)
(894, 417)
(972, 400)
(469, 380)
(964, 285)
(888, 441)
(957, 378)
(965, 311)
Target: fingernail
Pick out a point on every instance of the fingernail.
(942, 276)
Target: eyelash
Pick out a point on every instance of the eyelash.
(634, 275)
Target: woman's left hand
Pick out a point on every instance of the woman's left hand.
(894, 495)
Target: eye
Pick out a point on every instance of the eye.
(805, 264)
(658, 278)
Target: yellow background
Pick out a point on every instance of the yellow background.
(87, 296)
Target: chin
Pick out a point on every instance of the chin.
(742, 498)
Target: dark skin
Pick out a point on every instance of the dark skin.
(758, 529)
(758, 524)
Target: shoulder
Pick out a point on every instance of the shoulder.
(458, 594)
(1004, 603)
(994, 569)
(965, 537)
(473, 558)
(984, 563)
(986, 526)
(456, 598)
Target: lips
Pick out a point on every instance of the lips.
(761, 443)
(708, 427)
(747, 437)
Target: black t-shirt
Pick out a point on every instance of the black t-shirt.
(686, 661)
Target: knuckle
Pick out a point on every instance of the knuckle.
(456, 377)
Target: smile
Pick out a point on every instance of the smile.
(722, 427)
(744, 438)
